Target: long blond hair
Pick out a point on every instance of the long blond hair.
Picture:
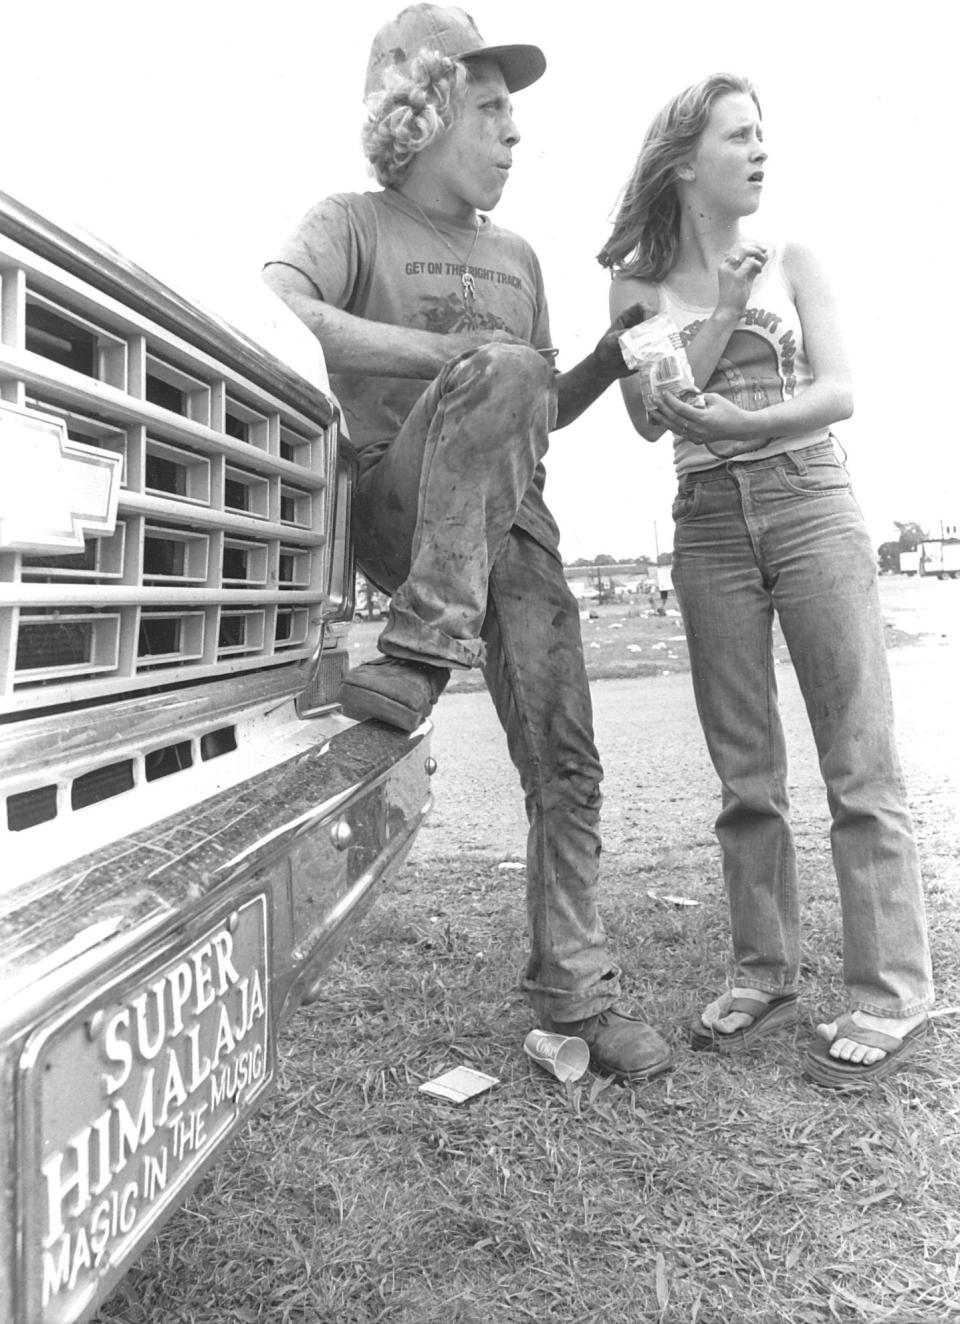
(646, 229)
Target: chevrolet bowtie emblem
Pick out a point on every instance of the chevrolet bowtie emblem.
(55, 490)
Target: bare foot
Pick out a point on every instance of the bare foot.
(716, 1016)
(848, 1050)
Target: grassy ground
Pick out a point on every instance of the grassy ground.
(727, 1192)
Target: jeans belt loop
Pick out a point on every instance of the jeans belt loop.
(796, 459)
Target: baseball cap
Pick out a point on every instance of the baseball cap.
(453, 33)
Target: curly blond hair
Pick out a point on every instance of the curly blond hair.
(411, 112)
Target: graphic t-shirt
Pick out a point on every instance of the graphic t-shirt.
(374, 255)
(762, 364)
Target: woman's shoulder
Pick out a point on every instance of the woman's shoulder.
(799, 269)
(798, 262)
(625, 291)
(784, 259)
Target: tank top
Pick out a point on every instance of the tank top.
(762, 364)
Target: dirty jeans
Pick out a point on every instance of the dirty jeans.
(786, 535)
(434, 525)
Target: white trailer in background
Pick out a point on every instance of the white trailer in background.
(940, 557)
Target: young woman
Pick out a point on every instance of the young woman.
(765, 521)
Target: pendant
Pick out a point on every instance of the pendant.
(469, 285)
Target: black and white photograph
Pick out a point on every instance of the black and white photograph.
(363, 958)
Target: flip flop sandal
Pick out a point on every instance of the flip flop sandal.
(767, 1017)
(834, 1073)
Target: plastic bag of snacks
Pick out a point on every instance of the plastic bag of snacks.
(654, 348)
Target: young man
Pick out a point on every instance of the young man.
(434, 326)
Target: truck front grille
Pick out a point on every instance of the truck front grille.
(221, 557)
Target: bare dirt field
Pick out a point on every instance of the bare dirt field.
(657, 769)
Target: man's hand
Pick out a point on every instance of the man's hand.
(608, 355)
(585, 383)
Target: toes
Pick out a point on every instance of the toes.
(713, 1014)
(848, 1050)
(717, 1015)
(710, 1014)
(735, 1021)
(860, 1054)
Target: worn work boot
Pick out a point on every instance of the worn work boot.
(392, 690)
(620, 1045)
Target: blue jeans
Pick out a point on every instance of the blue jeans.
(434, 526)
(786, 535)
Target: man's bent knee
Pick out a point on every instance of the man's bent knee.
(515, 366)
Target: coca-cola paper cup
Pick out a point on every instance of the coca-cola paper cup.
(563, 1055)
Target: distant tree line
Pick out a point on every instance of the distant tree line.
(665, 558)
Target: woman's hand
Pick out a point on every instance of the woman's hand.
(712, 421)
(737, 272)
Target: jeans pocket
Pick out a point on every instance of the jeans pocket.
(817, 478)
(686, 503)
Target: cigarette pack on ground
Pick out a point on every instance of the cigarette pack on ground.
(655, 349)
(459, 1084)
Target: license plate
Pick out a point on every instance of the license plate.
(127, 1096)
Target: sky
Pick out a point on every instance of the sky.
(193, 134)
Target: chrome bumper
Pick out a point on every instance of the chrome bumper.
(143, 990)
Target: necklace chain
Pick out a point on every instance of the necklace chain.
(467, 282)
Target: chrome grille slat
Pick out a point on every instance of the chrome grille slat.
(220, 560)
(52, 596)
(66, 389)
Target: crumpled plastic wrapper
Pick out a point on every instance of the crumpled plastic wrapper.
(655, 350)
